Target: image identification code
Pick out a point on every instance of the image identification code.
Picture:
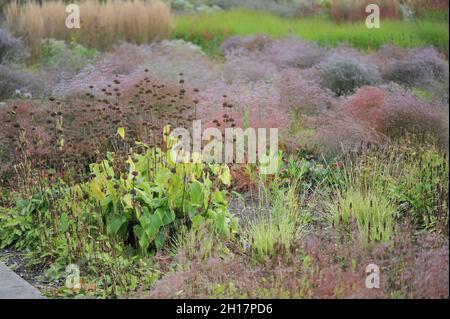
(225, 308)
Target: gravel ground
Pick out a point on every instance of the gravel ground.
(35, 276)
(246, 207)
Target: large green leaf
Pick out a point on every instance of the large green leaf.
(161, 238)
(151, 224)
(219, 198)
(117, 221)
(146, 196)
(221, 223)
(176, 187)
(225, 175)
(106, 201)
(167, 215)
(142, 236)
(196, 194)
(162, 177)
(108, 169)
(197, 220)
(121, 132)
(190, 209)
(128, 200)
(64, 222)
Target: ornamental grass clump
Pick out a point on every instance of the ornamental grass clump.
(104, 23)
(371, 212)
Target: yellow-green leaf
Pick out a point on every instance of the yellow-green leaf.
(225, 175)
(128, 200)
(121, 132)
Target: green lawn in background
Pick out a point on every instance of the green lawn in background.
(208, 30)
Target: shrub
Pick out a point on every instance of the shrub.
(387, 54)
(257, 59)
(343, 73)
(12, 50)
(418, 68)
(303, 99)
(57, 52)
(365, 105)
(337, 133)
(292, 52)
(127, 61)
(118, 64)
(13, 81)
(247, 66)
(284, 53)
(392, 111)
(164, 61)
(301, 93)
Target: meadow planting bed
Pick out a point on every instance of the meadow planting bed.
(88, 180)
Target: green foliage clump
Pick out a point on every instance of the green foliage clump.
(277, 230)
(372, 213)
(56, 53)
(125, 211)
(423, 189)
(414, 179)
(155, 194)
